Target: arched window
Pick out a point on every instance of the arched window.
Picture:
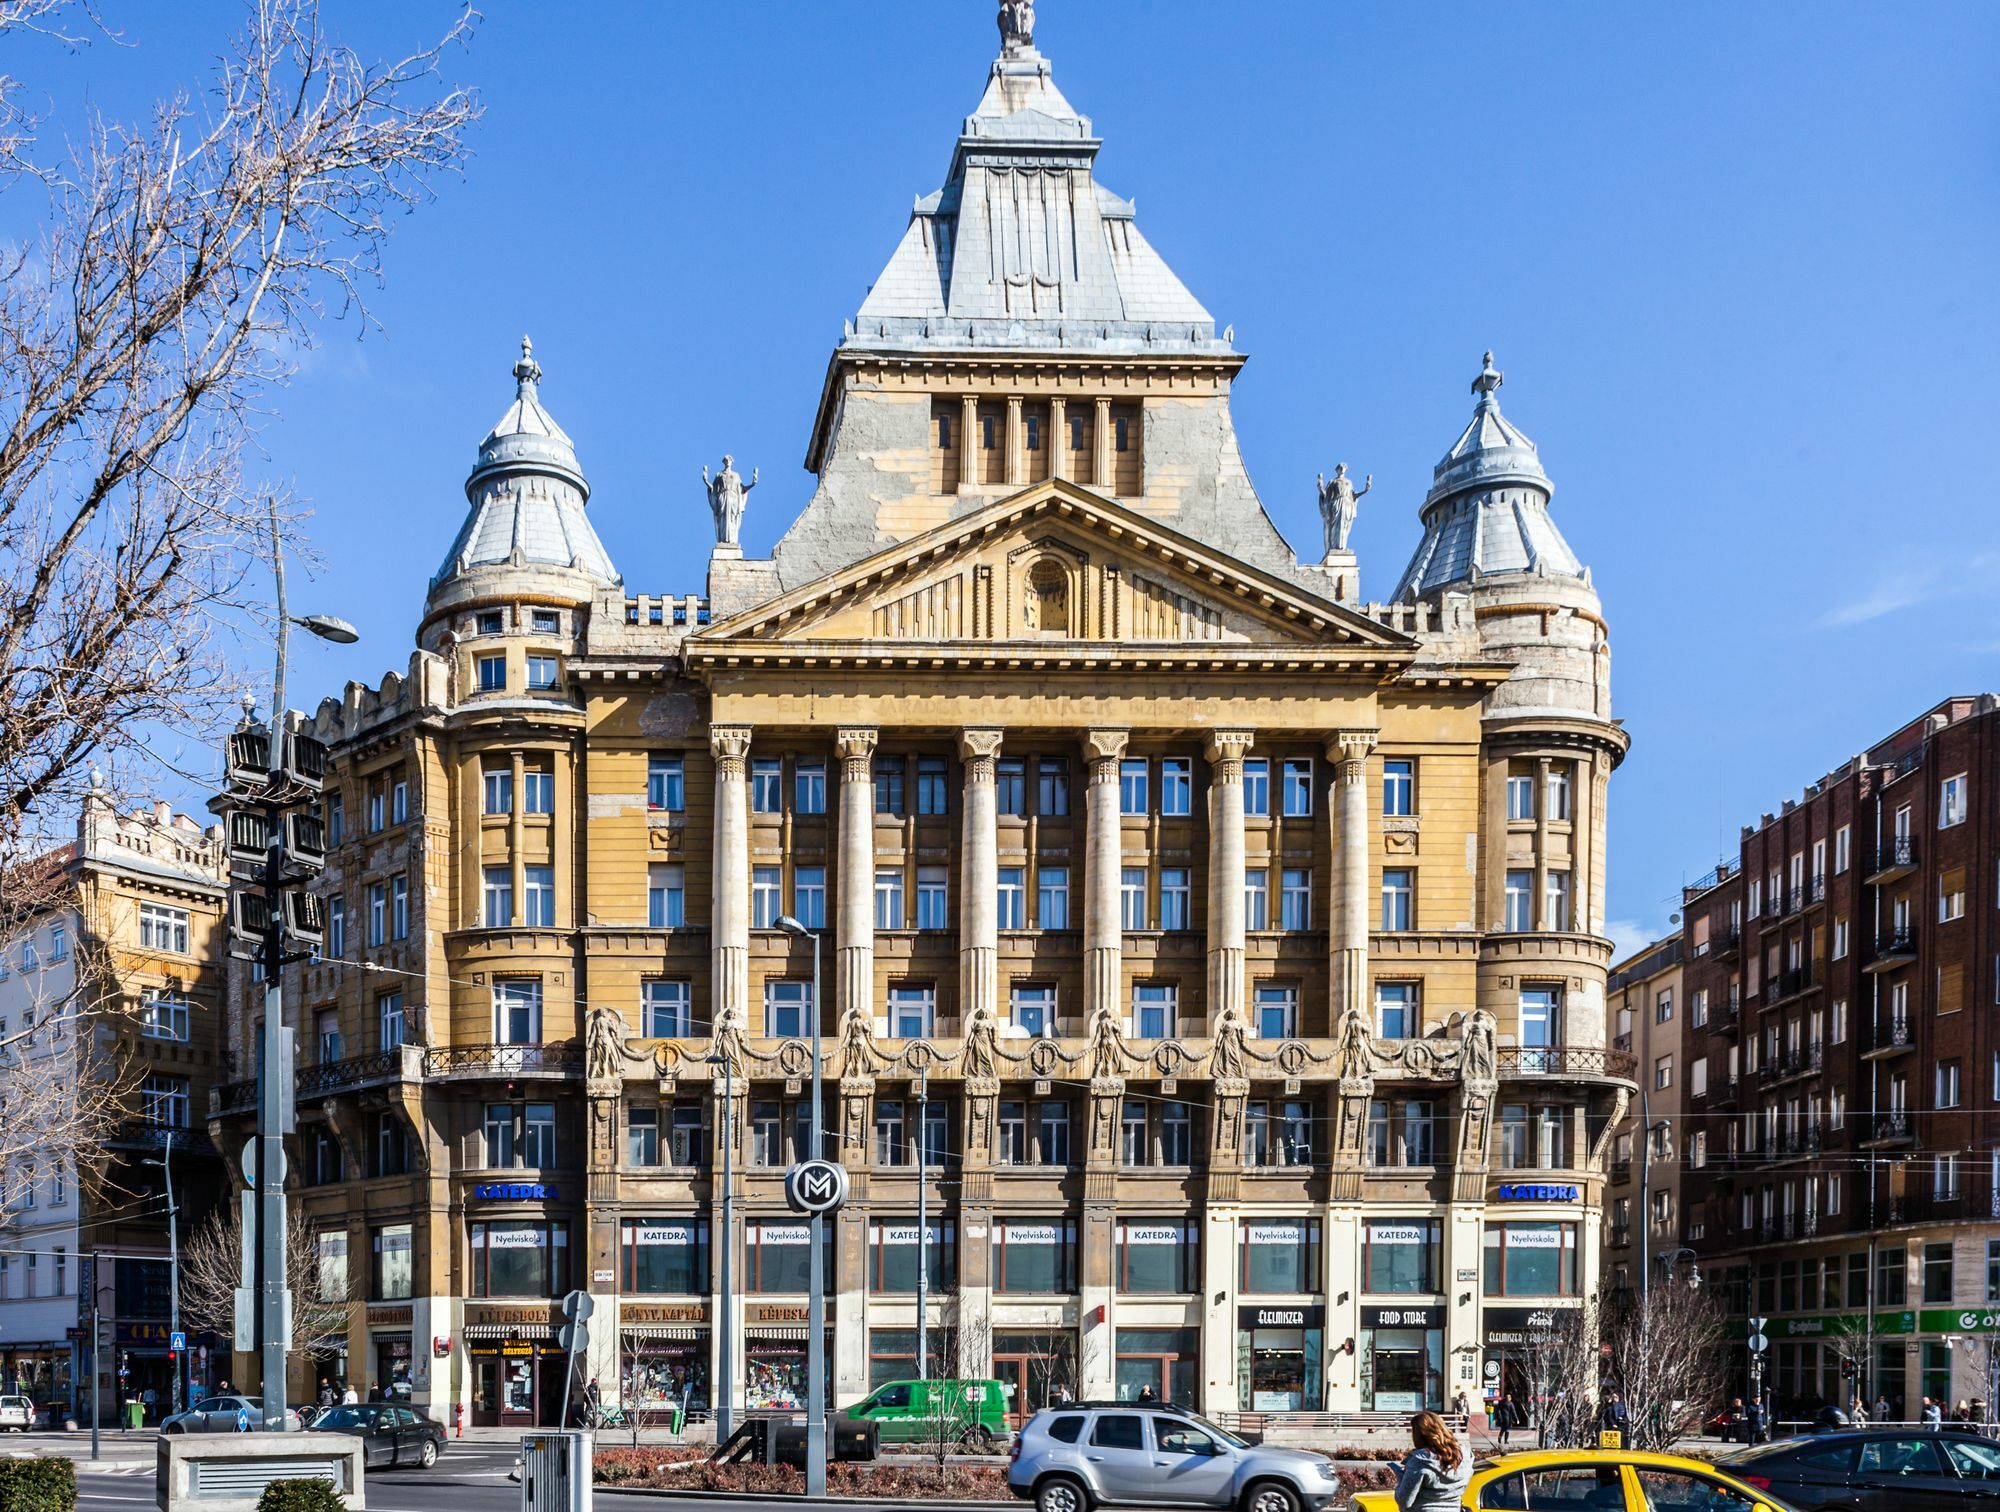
(1047, 609)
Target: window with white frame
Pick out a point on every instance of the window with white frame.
(932, 910)
(1052, 897)
(1951, 895)
(1520, 795)
(1399, 787)
(1398, 891)
(787, 1009)
(765, 908)
(1555, 902)
(1841, 842)
(1132, 897)
(1952, 796)
(889, 898)
(1836, 1109)
(1947, 1089)
(666, 895)
(1557, 789)
(517, 1011)
(1520, 900)
(1944, 1178)
(163, 1016)
(767, 784)
(912, 1011)
(165, 1100)
(1298, 793)
(809, 787)
(1295, 901)
(538, 896)
(541, 671)
(809, 896)
(1132, 786)
(538, 791)
(1836, 1029)
(1012, 898)
(390, 1022)
(667, 1009)
(1176, 908)
(1698, 1077)
(1176, 786)
(1155, 1010)
(1276, 1011)
(1257, 788)
(498, 791)
(497, 884)
(1396, 1010)
(1839, 939)
(666, 784)
(1257, 898)
(1663, 1073)
(163, 929)
(1032, 1006)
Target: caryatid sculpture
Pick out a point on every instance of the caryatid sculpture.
(727, 494)
(1339, 503)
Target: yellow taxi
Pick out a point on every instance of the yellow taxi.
(1598, 1480)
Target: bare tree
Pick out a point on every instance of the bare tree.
(212, 1269)
(1666, 1357)
(1562, 1368)
(183, 265)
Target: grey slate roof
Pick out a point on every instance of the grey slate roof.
(1487, 511)
(1022, 248)
(527, 493)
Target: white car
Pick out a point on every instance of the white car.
(17, 1412)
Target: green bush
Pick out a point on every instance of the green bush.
(37, 1485)
(298, 1496)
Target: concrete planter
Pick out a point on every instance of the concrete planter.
(227, 1472)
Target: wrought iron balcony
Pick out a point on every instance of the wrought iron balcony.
(564, 1059)
(150, 1134)
(1816, 889)
(1898, 947)
(1621, 1172)
(1896, 859)
(1726, 944)
(226, 1098)
(1889, 1128)
(1526, 1060)
(1892, 1036)
(403, 1063)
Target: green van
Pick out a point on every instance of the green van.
(905, 1412)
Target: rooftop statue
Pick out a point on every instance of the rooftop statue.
(727, 494)
(1339, 504)
(1017, 27)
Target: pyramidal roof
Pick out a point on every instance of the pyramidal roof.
(527, 493)
(1022, 247)
(1487, 511)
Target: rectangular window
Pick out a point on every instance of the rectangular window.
(1010, 786)
(1052, 897)
(777, 1257)
(538, 1135)
(1840, 850)
(399, 908)
(896, 1248)
(520, 1259)
(666, 896)
(1295, 902)
(538, 792)
(933, 796)
(1279, 1257)
(667, 1009)
(1155, 1011)
(1399, 788)
(1132, 797)
(889, 785)
(1132, 897)
(539, 896)
(1951, 895)
(1558, 789)
(1540, 1015)
(809, 896)
(666, 1257)
(1159, 1258)
(1256, 898)
(517, 1011)
(1277, 1011)
(492, 673)
(1398, 888)
(541, 671)
(1400, 1256)
(642, 1137)
(1663, 1073)
(1953, 796)
(1033, 1009)
(1663, 1006)
(1034, 1257)
(1012, 899)
(1052, 1133)
(336, 933)
(499, 791)
(767, 784)
(336, 818)
(378, 913)
(163, 929)
(889, 898)
(499, 895)
(391, 1267)
(1298, 791)
(1948, 1083)
(890, 1146)
(764, 894)
(1531, 1259)
(1555, 902)
(666, 784)
(912, 1012)
(1051, 787)
(391, 1025)
(399, 801)
(809, 787)
(932, 909)
(1938, 1274)
(1176, 907)
(1520, 795)
(1257, 788)
(162, 1017)
(1396, 1010)
(165, 1101)
(545, 622)
(787, 1009)
(1176, 786)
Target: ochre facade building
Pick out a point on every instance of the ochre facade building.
(1227, 952)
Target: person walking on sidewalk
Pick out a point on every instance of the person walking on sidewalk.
(1434, 1477)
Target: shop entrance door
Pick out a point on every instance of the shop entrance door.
(517, 1387)
(1021, 1384)
(551, 1386)
(485, 1391)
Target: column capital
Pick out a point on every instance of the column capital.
(980, 745)
(1105, 745)
(856, 747)
(729, 744)
(1349, 749)
(1225, 752)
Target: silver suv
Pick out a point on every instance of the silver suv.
(1088, 1454)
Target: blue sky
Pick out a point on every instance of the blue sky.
(1738, 263)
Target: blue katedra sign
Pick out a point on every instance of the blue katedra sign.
(515, 1191)
(1540, 1193)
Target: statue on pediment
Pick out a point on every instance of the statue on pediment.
(1357, 1044)
(727, 496)
(1107, 1044)
(1477, 1061)
(604, 1044)
(1339, 505)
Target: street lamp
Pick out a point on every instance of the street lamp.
(724, 1385)
(166, 1164)
(816, 1296)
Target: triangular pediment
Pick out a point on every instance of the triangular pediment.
(1055, 564)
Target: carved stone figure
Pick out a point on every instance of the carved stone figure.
(1476, 1057)
(857, 1044)
(1107, 1044)
(1229, 1055)
(1017, 27)
(1339, 503)
(1357, 1046)
(604, 1044)
(727, 494)
(977, 1058)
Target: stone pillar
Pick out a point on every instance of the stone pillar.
(968, 441)
(1100, 446)
(1225, 871)
(1221, 1391)
(1348, 753)
(855, 939)
(1103, 934)
(979, 879)
(1017, 442)
(517, 858)
(729, 909)
(1058, 438)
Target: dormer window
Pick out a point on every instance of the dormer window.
(547, 622)
(492, 622)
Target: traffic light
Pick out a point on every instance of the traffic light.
(1847, 1370)
(277, 842)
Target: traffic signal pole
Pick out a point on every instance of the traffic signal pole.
(274, 1070)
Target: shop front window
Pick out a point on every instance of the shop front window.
(1401, 1256)
(1159, 1257)
(1402, 1369)
(894, 1251)
(1279, 1256)
(1032, 1258)
(1162, 1361)
(520, 1259)
(666, 1256)
(1279, 1369)
(1530, 1260)
(391, 1272)
(777, 1257)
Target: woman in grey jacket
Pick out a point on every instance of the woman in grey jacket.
(1434, 1477)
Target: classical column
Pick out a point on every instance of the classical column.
(1103, 930)
(517, 849)
(1058, 438)
(968, 440)
(979, 879)
(1348, 752)
(855, 940)
(1017, 441)
(1225, 871)
(729, 910)
(1100, 445)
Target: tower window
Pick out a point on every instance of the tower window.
(1076, 433)
(944, 431)
(1121, 429)
(986, 432)
(1034, 433)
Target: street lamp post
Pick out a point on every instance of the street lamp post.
(816, 1296)
(724, 1385)
(166, 1164)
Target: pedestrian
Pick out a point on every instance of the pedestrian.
(349, 1396)
(1508, 1418)
(1612, 1416)
(1858, 1413)
(1754, 1421)
(1434, 1477)
(325, 1392)
(1462, 1405)
(222, 1387)
(1933, 1414)
(1146, 1394)
(1881, 1413)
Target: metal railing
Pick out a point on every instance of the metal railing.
(1899, 854)
(1894, 1035)
(1526, 1060)
(1897, 942)
(562, 1058)
(404, 1062)
(1890, 1126)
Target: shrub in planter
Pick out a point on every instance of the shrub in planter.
(300, 1496)
(37, 1485)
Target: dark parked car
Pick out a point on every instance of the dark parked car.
(1875, 1470)
(391, 1434)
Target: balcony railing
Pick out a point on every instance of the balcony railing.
(1896, 947)
(1889, 1126)
(1526, 1060)
(565, 1058)
(1816, 889)
(1894, 859)
(1621, 1172)
(1726, 943)
(149, 1134)
(1893, 1034)
(403, 1063)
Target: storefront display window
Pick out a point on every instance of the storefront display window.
(775, 1373)
(1530, 1259)
(391, 1273)
(1402, 1359)
(1159, 1257)
(392, 1366)
(1166, 1360)
(777, 1257)
(1034, 1258)
(894, 1250)
(520, 1259)
(1280, 1359)
(666, 1256)
(663, 1374)
(1032, 1366)
(1402, 1256)
(1279, 1256)
(892, 1354)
